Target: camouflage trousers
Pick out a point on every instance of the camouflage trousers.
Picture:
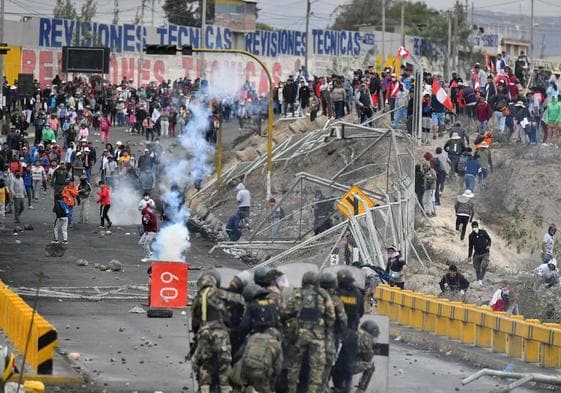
(212, 344)
(307, 349)
(330, 354)
(257, 379)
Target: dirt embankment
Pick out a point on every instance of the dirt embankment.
(519, 203)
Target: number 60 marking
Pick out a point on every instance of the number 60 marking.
(168, 293)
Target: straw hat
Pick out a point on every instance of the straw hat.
(455, 135)
(468, 194)
(520, 104)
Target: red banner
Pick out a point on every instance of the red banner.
(168, 287)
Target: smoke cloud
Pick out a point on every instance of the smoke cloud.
(124, 200)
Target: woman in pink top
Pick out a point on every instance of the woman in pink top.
(84, 132)
(53, 123)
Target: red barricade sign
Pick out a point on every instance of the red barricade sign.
(168, 287)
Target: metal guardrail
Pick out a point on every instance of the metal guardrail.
(525, 339)
(15, 318)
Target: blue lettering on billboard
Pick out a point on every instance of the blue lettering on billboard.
(56, 33)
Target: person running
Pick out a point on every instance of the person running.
(150, 226)
(479, 246)
(464, 212)
(104, 201)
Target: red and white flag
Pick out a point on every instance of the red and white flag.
(441, 95)
(402, 52)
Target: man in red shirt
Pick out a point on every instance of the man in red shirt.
(150, 226)
(104, 204)
(483, 113)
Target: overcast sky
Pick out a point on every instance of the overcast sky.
(279, 13)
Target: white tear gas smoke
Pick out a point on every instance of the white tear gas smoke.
(124, 199)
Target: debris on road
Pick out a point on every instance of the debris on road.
(82, 262)
(114, 265)
(137, 310)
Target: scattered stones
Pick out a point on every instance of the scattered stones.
(82, 262)
(137, 310)
(28, 227)
(75, 356)
(114, 265)
(121, 330)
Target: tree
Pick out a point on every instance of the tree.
(64, 9)
(115, 12)
(420, 20)
(263, 26)
(88, 11)
(187, 12)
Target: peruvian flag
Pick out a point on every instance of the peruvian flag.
(402, 52)
(441, 95)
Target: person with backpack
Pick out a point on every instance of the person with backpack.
(84, 191)
(435, 164)
(463, 161)
(261, 362)
(454, 147)
(461, 131)
(464, 211)
(429, 176)
(443, 168)
(500, 106)
(483, 155)
(60, 229)
(473, 169)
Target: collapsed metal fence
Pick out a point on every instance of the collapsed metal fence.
(379, 160)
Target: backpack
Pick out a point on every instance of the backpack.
(462, 164)
(281, 212)
(64, 207)
(258, 354)
(439, 166)
(455, 146)
(430, 177)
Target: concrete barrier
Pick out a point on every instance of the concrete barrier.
(525, 339)
(15, 319)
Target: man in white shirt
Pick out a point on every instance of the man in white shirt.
(548, 243)
(244, 201)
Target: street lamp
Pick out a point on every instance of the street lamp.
(187, 50)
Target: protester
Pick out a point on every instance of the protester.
(243, 197)
(429, 177)
(69, 195)
(4, 200)
(18, 195)
(395, 267)
(276, 214)
(479, 246)
(464, 212)
(504, 300)
(60, 229)
(548, 243)
(547, 273)
(104, 201)
(84, 191)
(234, 227)
(454, 284)
(150, 227)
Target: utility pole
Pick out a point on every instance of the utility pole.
(531, 47)
(141, 57)
(543, 46)
(403, 23)
(449, 52)
(2, 64)
(308, 6)
(455, 44)
(383, 33)
(203, 37)
(152, 17)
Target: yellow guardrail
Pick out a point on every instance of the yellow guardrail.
(15, 318)
(525, 339)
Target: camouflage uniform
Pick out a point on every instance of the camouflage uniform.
(333, 336)
(366, 345)
(314, 311)
(209, 319)
(262, 361)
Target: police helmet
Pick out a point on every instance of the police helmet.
(216, 274)
(328, 280)
(206, 280)
(237, 284)
(345, 276)
(260, 276)
(371, 327)
(310, 278)
(250, 291)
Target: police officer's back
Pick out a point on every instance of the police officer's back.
(209, 321)
(261, 312)
(314, 311)
(351, 297)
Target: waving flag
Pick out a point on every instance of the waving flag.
(402, 52)
(441, 95)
